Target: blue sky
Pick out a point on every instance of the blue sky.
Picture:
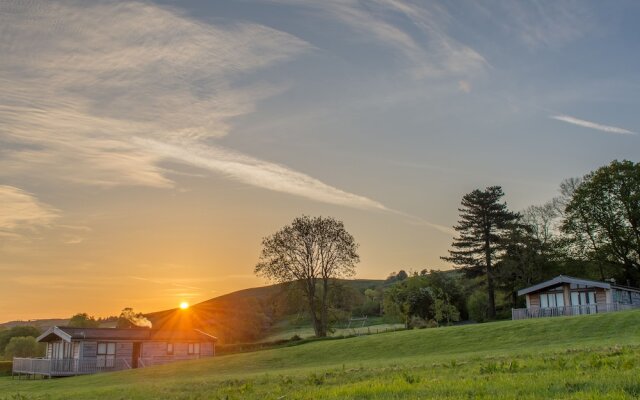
(156, 142)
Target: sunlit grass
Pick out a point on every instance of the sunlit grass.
(577, 357)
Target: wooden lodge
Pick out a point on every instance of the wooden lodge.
(79, 351)
(565, 295)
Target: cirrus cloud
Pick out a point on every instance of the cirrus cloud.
(259, 173)
(78, 80)
(21, 210)
(592, 125)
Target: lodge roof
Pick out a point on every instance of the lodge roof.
(560, 279)
(67, 334)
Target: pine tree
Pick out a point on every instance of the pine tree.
(482, 229)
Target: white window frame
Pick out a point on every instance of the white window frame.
(551, 300)
(193, 349)
(106, 355)
(583, 298)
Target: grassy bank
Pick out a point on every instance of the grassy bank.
(578, 357)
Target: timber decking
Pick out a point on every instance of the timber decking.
(48, 367)
(538, 312)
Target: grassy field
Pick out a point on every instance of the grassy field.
(589, 357)
(287, 328)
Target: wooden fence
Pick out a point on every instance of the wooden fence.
(65, 367)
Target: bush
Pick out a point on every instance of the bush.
(368, 308)
(25, 346)
(478, 306)
(17, 331)
(417, 322)
(5, 368)
(432, 323)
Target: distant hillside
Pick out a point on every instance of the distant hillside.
(41, 324)
(44, 324)
(264, 292)
(260, 293)
(245, 315)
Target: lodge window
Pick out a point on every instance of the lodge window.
(169, 348)
(623, 296)
(551, 300)
(194, 348)
(106, 357)
(583, 298)
(62, 350)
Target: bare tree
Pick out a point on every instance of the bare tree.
(311, 252)
(544, 222)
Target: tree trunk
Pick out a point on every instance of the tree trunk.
(490, 289)
(311, 297)
(324, 308)
(601, 269)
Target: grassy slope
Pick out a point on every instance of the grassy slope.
(263, 293)
(288, 327)
(578, 357)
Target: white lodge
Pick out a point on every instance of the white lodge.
(78, 351)
(564, 295)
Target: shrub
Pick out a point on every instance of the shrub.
(432, 323)
(417, 322)
(17, 331)
(367, 308)
(25, 346)
(478, 305)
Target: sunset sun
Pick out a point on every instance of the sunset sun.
(184, 305)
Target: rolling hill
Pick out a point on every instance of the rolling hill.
(246, 315)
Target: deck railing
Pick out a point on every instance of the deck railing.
(66, 367)
(542, 312)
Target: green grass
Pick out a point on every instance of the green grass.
(589, 357)
(286, 329)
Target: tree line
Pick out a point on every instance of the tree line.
(590, 230)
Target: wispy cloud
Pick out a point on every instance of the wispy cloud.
(592, 125)
(272, 176)
(79, 79)
(259, 173)
(417, 31)
(21, 210)
(538, 24)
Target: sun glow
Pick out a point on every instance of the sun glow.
(184, 305)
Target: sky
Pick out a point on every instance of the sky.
(146, 148)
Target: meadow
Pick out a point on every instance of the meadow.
(585, 357)
(286, 329)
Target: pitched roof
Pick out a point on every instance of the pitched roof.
(67, 334)
(563, 279)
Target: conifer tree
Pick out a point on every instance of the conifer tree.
(482, 230)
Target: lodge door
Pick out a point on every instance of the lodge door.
(135, 355)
